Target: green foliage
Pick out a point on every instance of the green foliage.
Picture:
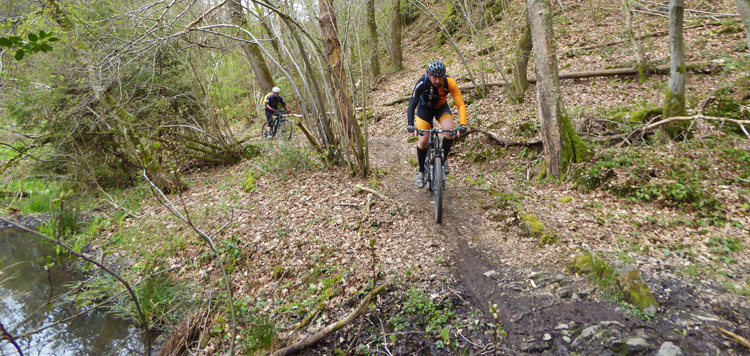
(157, 296)
(434, 316)
(33, 44)
(731, 102)
(596, 267)
(287, 161)
(684, 180)
(259, 335)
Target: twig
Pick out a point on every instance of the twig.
(736, 338)
(349, 205)
(375, 193)
(330, 329)
(10, 339)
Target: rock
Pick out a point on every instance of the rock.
(490, 273)
(635, 290)
(566, 339)
(562, 327)
(564, 292)
(669, 349)
(536, 275)
(559, 277)
(584, 292)
(586, 334)
(630, 346)
(534, 346)
(547, 337)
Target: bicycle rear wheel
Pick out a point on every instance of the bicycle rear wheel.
(285, 130)
(437, 177)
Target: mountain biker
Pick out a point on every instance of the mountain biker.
(429, 98)
(272, 104)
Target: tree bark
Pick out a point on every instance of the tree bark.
(397, 61)
(674, 105)
(373, 40)
(640, 55)
(562, 145)
(352, 135)
(253, 53)
(520, 65)
(743, 7)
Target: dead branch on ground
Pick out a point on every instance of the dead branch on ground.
(330, 329)
(736, 338)
(701, 67)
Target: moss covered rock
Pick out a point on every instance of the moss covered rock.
(249, 184)
(531, 226)
(636, 291)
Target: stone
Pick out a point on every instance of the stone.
(669, 349)
(547, 337)
(566, 339)
(631, 346)
(536, 275)
(559, 277)
(564, 292)
(636, 291)
(562, 326)
(490, 273)
(585, 291)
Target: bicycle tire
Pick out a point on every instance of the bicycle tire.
(437, 176)
(284, 132)
(263, 131)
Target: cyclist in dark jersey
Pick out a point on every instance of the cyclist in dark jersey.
(272, 104)
(429, 98)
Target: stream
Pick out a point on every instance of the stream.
(25, 291)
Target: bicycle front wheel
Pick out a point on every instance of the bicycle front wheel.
(285, 130)
(264, 131)
(437, 177)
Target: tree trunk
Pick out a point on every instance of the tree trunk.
(743, 6)
(640, 55)
(520, 65)
(562, 145)
(352, 135)
(253, 53)
(397, 61)
(373, 40)
(674, 104)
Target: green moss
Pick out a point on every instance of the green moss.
(450, 21)
(636, 291)
(642, 116)
(574, 150)
(674, 105)
(532, 226)
(566, 199)
(249, 184)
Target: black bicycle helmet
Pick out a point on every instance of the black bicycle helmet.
(436, 68)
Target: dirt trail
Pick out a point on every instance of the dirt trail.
(542, 307)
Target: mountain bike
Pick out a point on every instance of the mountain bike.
(434, 168)
(281, 128)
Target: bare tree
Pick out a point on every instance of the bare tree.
(352, 135)
(373, 40)
(396, 55)
(743, 6)
(640, 55)
(253, 53)
(674, 105)
(520, 81)
(562, 145)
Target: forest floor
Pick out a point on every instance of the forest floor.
(302, 234)
(297, 235)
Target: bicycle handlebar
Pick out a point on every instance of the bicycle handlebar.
(433, 130)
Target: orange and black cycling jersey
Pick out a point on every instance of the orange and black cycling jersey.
(425, 94)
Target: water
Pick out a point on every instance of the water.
(25, 291)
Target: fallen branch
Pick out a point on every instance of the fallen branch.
(330, 329)
(571, 52)
(736, 338)
(359, 187)
(703, 67)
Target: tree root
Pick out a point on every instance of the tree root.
(330, 329)
(736, 338)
